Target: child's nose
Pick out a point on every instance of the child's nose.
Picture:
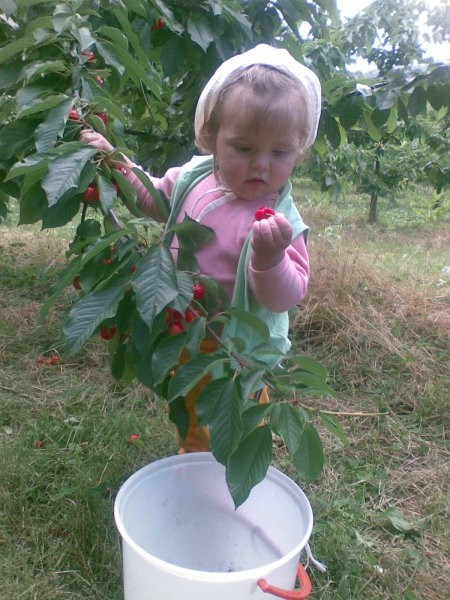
(260, 161)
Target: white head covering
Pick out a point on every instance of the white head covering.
(263, 54)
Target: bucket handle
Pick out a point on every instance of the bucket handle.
(300, 594)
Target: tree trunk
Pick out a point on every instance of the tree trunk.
(373, 212)
(373, 207)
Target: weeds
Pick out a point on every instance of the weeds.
(69, 435)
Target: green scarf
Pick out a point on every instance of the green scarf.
(277, 323)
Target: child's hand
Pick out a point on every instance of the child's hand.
(270, 239)
(93, 138)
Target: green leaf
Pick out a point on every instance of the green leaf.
(84, 36)
(115, 35)
(438, 95)
(397, 520)
(52, 126)
(179, 415)
(62, 212)
(248, 464)
(159, 200)
(166, 356)
(33, 164)
(15, 136)
(350, 112)
(313, 384)
(254, 416)
(417, 102)
(187, 375)
(74, 267)
(333, 131)
(168, 16)
(107, 193)
(379, 117)
(106, 49)
(64, 173)
(288, 422)
(225, 420)
(308, 458)
(127, 193)
(333, 427)
(43, 67)
(42, 104)
(89, 312)
(120, 368)
(32, 205)
(140, 71)
(16, 47)
(309, 364)
(195, 335)
(191, 235)
(11, 74)
(372, 129)
(199, 31)
(156, 282)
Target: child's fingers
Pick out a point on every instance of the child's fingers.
(93, 138)
(273, 233)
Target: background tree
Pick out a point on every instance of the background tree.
(375, 112)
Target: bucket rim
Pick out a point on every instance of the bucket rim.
(214, 576)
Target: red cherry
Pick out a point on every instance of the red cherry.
(74, 116)
(103, 117)
(91, 193)
(175, 327)
(173, 315)
(122, 169)
(198, 291)
(106, 261)
(157, 24)
(191, 315)
(76, 282)
(264, 212)
(90, 56)
(107, 333)
(133, 437)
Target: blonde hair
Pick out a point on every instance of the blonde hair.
(267, 92)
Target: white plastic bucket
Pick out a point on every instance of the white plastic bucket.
(182, 538)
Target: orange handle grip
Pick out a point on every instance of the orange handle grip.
(300, 594)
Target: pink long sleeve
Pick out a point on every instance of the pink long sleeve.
(145, 200)
(283, 286)
(278, 289)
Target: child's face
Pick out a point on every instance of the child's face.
(255, 156)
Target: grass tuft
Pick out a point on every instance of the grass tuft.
(376, 315)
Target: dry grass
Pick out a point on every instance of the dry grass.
(382, 331)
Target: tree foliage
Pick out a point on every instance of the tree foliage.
(133, 69)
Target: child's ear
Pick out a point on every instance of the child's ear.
(209, 140)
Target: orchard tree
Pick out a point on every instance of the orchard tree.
(365, 118)
(132, 70)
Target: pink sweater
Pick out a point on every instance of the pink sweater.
(279, 288)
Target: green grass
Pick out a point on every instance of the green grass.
(376, 315)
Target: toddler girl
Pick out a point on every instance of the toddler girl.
(256, 117)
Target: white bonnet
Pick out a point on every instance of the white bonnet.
(263, 54)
